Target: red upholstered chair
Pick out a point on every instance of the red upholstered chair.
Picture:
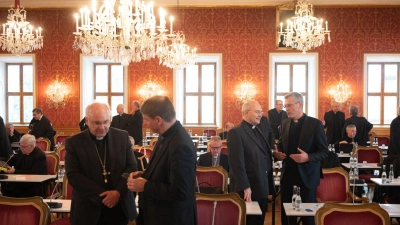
(358, 214)
(146, 150)
(370, 135)
(61, 152)
(44, 144)
(224, 150)
(24, 211)
(153, 142)
(335, 187)
(53, 161)
(220, 209)
(60, 138)
(382, 139)
(66, 189)
(371, 155)
(210, 132)
(215, 176)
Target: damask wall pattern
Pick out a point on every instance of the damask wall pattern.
(244, 35)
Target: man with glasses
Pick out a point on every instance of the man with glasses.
(95, 160)
(302, 146)
(29, 160)
(214, 157)
(275, 116)
(250, 159)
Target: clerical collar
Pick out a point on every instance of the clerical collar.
(170, 130)
(300, 119)
(97, 138)
(250, 125)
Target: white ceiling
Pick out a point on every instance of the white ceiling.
(206, 3)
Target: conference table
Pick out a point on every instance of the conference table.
(27, 178)
(369, 166)
(379, 185)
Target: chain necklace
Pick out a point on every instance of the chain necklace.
(103, 164)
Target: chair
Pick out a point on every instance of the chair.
(224, 150)
(66, 189)
(153, 142)
(220, 209)
(61, 152)
(210, 132)
(44, 144)
(370, 135)
(382, 139)
(359, 214)
(24, 211)
(141, 162)
(60, 138)
(371, 155)
(215, 176)
(53, 161)
(146, 150)
(335, 187)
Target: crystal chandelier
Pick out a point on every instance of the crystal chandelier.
(18, 36)
(341, 92)
(304, 31)
(57, 95)
(244, 93)
(130, 36)
(150, 89)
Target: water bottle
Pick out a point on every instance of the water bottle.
(355, 160)
(351, 174)
(383, 174)
(298, 200)
(294, 197)
(391, 174)
(190, 132)
(351, 161)
(356, 173)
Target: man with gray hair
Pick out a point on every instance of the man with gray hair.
(333, 122)
(361, 123)
(135, 123)
(13, 135)
(350, 137)
(250, 159)
(120, 121)
(95, 160)
(30, 160)
(394, 143)
(214, 157)
(301, 148)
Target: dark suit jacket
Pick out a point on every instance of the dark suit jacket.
(42, 128)
(5, 147)
(248, 162)
(362, 125)
(266, 129)
(206, 160)
(120, 121)
(16, 137)
(312, 141)
(134, 127)
(276, 119)
(223, 135)
(328, 117)
(169, 196)
(394, 143)
(86, 177)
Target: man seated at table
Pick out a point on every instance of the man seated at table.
(350, 138)
(29, 160)
(214, 157)
(13, 135)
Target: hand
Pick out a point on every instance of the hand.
(300, 158)
(323, 122)
(343, 142)
(10, 170)
(247, 194)
(111, 198)
(136, 174)
(136, 184)
(279, 155)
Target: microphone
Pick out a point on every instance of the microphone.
(51, 204)
(2, 167)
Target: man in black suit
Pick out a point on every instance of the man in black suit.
(40, 127)
(214, 157)
(275, 116)
(5, 147)
(135, 123)
(120, 121)
(13, 135)
(250, 159)
(333, 122)
(94, 162)
(224, 135)
(394, 143)
(302, 147)
(166, 187)
(361, 123)
(266, 129)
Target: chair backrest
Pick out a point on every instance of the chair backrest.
(60, 138)
(370, 135)
(358, 214)
(146, 150)
(334, 186)
(153, 142)
(369, 154)
(61, 152)
(53, 161)
(215, 176)
(382, 139)
(220, 208)
(44, 144)
(24, 211)
(210, 132)
(224, 150)
(67, 189)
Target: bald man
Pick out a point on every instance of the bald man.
(120, 121)
(333, 122)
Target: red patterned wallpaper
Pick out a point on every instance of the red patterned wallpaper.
(245, 37)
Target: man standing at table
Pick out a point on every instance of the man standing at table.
(250, 159)
(214, 157)
(362, 124)
(121, 120)
(333, 122)
(166, 187)
(40, 127)
(94, 162)
(30, 160)
(394, 142)
(302, 147)
(135, 123)
(275, 116)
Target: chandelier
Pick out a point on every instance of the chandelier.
(244, 93)
(341, 92)
(304, 31)
(18, 36)
(57, 95)
(150, 89)
(132, 35)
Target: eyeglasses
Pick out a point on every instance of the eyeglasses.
(97, 123)
(289, 105)
(24, 146)
(215, 148)
(257, 112)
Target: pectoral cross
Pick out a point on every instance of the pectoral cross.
(105, 174)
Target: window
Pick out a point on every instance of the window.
(382, 92)
(19, 92)
(290, 77)
(197, 92)
(294, 72)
